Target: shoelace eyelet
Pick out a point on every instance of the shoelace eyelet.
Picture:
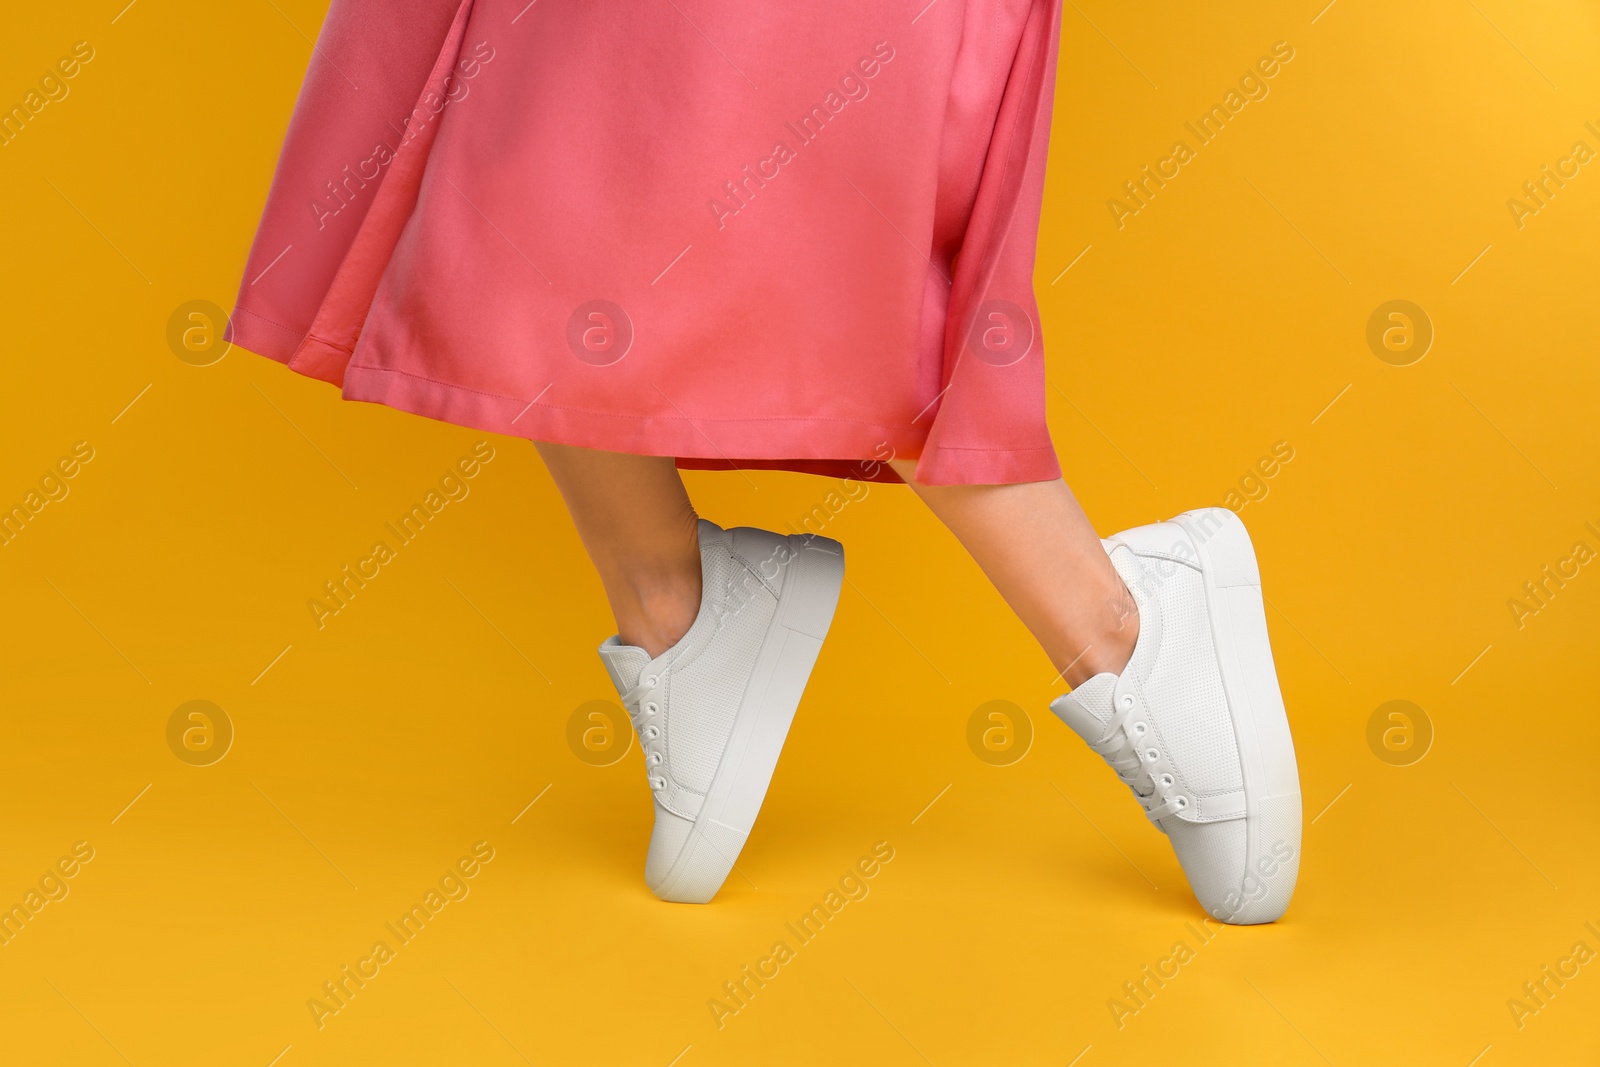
(1151, 754)
(651, 708)
(650, 733)
(1139, 729)
(1182, 802)
(1126, 700)
(655, 761)
(1166, 780)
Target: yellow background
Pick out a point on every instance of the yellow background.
(1221, 319)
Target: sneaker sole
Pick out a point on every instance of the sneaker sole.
(1260, 722)
(807, 598)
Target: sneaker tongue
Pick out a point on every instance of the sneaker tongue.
(1087, 709)
(623, 662)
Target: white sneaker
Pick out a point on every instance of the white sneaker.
(713, 710)
(1195, 723)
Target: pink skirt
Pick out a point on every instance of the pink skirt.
(742, 235)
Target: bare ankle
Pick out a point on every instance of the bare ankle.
(659, 612)
(1111, 649)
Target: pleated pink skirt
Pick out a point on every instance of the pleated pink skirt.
(738, 234)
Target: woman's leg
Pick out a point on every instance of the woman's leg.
(1038, 548)
(635, 519)
(738, 676)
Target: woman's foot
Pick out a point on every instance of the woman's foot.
(712, 711)
(1194, 724)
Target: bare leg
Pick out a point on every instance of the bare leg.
(640, 530)
(1038, 548)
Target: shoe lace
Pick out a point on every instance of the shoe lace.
(1131, 750)
(642, 702)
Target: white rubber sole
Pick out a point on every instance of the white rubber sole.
(1260, 723)
(807, 597)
